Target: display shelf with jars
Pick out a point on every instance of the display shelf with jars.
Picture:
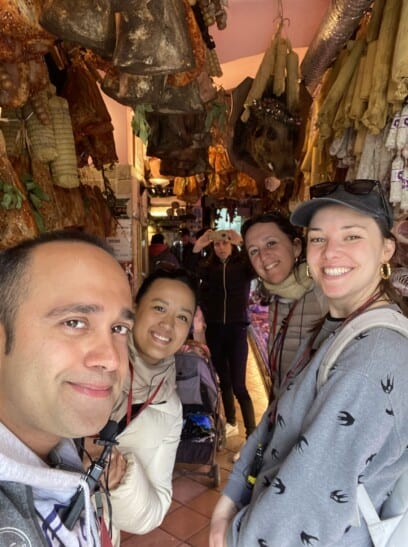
(170, 222)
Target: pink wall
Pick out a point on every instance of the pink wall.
(121, 116)
(252, 23)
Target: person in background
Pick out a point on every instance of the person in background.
(149, 410)
(160, 255)
(183, 251)
(65, 315)
(276, 251)
(225, 278)
(315, 446)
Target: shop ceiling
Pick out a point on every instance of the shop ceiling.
(250, 27)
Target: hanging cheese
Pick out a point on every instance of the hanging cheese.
(375, 116)
(264, 72)
(64, 168)
(399, 71)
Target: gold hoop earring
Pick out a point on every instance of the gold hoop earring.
(385, 270)
(308, 274)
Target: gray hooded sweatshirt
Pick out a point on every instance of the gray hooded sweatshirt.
(323, 444)
(31, 492)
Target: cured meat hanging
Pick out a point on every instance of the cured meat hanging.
(91, 122)
(23, 42)
(152, 37)
(90, 23)
(22, 37)
(16, 219)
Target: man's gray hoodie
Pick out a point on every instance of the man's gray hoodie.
(31, 494)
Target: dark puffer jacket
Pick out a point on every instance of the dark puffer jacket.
(224, 289)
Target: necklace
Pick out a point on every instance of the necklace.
(304, 359)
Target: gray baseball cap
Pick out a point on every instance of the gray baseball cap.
(354, 194)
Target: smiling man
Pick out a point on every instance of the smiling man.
(65, 314)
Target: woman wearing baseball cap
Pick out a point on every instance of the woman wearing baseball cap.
(315, 446)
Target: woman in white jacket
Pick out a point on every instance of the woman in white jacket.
(150, 411)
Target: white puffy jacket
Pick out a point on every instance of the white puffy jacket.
(149, 443)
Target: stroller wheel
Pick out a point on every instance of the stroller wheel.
(216, 475)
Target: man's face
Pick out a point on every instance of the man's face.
(69, 357)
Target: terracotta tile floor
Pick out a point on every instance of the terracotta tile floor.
(194, 496)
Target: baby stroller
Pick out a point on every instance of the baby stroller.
(203, 427)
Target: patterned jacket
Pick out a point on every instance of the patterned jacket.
(355, 429)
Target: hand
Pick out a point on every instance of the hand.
(218, 533)
(199, 326)
(199, 321)
(203, 241)
(223, 513)
(235, 237)
(116, 468)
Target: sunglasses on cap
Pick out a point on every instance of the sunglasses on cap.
(358, 187)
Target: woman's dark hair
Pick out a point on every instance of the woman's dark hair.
(212, 258)
(282, 222)
(284, 225)
(176, 274)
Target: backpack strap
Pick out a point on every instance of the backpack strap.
(377, 317)
(392, 528)
(366, 507)
(389, 530)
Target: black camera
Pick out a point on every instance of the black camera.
(107, 436)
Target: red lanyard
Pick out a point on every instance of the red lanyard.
(304, 359)
(275, 355)
(298, 366)
(105, 537)
(145, 404)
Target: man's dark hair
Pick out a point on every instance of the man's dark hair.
(14, 274)
(177, 274)
(157, 238)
